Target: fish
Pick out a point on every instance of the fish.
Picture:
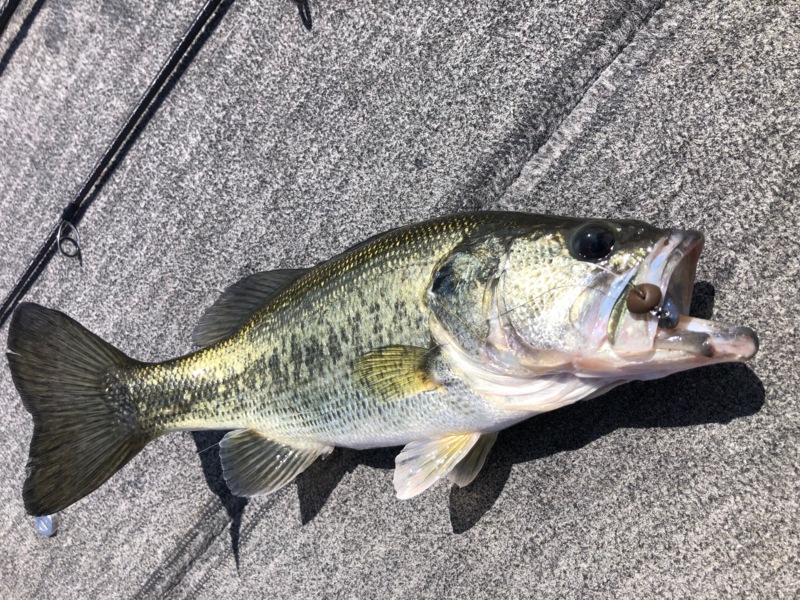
(433, 336)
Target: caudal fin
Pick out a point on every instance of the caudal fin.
(84, 426)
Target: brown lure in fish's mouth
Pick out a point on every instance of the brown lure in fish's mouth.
(666, 333)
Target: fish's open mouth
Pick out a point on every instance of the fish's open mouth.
(668, 330)
(677, 277)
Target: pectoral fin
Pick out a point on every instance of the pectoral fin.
(254, 465)
(396, 372)
(423, 463)
(469, 467)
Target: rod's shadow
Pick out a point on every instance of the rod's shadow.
(20, 36)
(716, 394)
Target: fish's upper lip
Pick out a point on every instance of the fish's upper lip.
(704, 339)
(677, 280)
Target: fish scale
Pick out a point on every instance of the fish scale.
(315, 389)
(434, 336)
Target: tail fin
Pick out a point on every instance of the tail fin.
(84, 427)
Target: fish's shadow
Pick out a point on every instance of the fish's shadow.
(207, 443)
(715, 394)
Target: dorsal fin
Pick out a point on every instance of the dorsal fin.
(239, 302)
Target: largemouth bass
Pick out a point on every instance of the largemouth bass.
(434, 336)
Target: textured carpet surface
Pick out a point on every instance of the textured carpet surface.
(280, 147)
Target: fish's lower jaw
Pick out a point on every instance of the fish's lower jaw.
(694, 343)
(708, 341)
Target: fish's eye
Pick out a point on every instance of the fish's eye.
(592, 241)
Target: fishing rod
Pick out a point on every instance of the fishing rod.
(65, 229)
(6, 13)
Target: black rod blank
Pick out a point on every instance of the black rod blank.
(186, 48)
(6, 13)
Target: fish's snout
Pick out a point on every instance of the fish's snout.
(691, 237)
(746, 339)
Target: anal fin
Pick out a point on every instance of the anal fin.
(423, 463)
(255, 465)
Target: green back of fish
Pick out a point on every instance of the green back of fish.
(290, 370)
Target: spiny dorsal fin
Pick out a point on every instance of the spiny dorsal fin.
(396, 372)
(423, 463)
(239, 302)
(254, 465)
(465, 471)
